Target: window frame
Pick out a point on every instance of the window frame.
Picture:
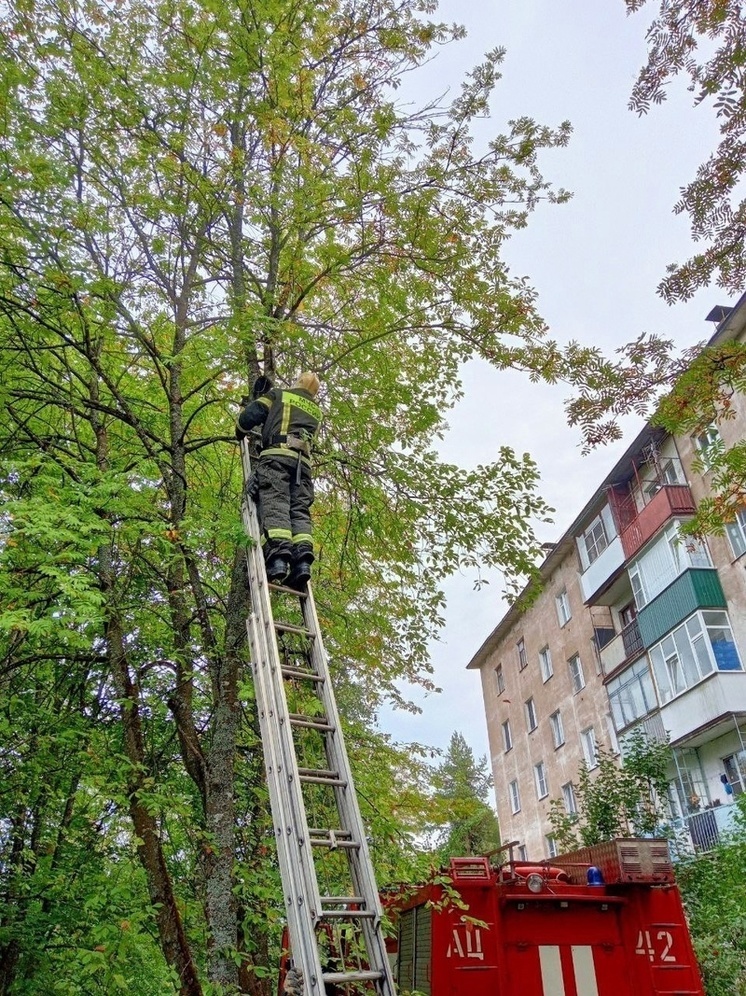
(591, 741)
(545, 664)
(514, 794)
(532, 720)
(507, 736)
(500, 679)
(558, 729)
(562, 605)
(652, 573)
(627, 688)
(669, 664)
(540, 780)
(706, 443)
(595, 539)
(568, 792)
(576, 689)
(552, 847)
(737, 528)
(522, 655)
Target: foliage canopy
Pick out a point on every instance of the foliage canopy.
(193, 193)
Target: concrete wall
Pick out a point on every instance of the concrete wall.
(539, 627)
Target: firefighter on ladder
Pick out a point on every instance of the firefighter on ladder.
(289, 419)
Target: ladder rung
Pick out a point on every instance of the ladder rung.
(283, 589)
(309, 722)
(332, 838)
(340, 900)
(342, 977)
(298, 672)
(299, 630)
(348, 914)
(349, 844)
(320, 776)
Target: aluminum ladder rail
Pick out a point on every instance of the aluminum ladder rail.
(306, 909)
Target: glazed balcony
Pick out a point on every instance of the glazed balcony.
(696, 588)
(604, 568)
(670, 500)
(720, 694)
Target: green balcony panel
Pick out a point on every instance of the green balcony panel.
(696, 588)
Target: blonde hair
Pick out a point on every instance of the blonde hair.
(308, 381)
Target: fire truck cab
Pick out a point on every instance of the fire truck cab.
(604, 921)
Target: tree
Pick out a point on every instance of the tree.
(464, 821)
(194, 193)
(685, 392)
(616, 801)
(713, 200)
(713, 888)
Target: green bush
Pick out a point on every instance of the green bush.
(714, 889)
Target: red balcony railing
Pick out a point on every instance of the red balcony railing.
(670, 500)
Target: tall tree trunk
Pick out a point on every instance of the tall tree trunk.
(173, 940)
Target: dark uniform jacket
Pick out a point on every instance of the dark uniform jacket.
(289, 418)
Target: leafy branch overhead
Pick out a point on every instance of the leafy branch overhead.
(704, 42)
(194, 193)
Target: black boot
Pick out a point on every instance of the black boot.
(278, 568)
(300, 574)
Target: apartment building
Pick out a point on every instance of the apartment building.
(635, 626)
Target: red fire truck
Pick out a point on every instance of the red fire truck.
(603, 921)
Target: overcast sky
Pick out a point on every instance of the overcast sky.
(596, 263)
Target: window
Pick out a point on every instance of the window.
(736, 531)
(545, 663)
(522, 658)
(735, 771)
(540, 776)
(632, 694)
(563, 607)
(611, 730)
(692, 651)
(638, 586)
(552, 849)
(530, 708)
(709, 444)
(507, 736)
(595, 539)
(522, 853)
(628, 614)
(500, 679)
(668, 557)
(558, 734)
(515, 797)
(667, 473)
(568, 795)
(590, 750)
(576, 674)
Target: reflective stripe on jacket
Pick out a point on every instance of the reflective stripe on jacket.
(289, 419)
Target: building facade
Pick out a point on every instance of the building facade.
(636, 626)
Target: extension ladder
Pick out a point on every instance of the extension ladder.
(336, 939)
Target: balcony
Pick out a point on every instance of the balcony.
(706, 829)
(668, 501)
(696, 588)
(624, 647)
(602, 570)
(651, 725)
(720, 694)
